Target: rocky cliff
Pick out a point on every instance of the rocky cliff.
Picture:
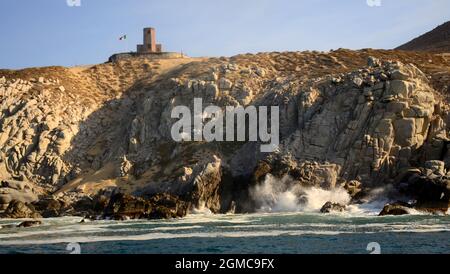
(96, 140)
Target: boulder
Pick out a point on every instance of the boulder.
(126, 205)
(398, 208)
(329, 207)
(358, 81)
(437, 167)
(225, 84)
(260, 72)
(49, 207)
(160, 206)
(353, 187)
(211, 90)
(405, 130)
(401, 88)
(167, 206)
(373, 62)
(29, 223)
(20, 210)
(308, 173)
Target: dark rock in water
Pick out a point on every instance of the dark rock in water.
(121, 205)
(124, 206)
(49, 207)
(397, 208)
(29, 223)
(89, 207)
(19, 210)
(168, 206)
(329, 207)
(432, 192)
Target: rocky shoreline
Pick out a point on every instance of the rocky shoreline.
(427, 190)
(358, 128)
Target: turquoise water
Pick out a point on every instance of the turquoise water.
(251, 233)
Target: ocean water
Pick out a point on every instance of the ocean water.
(286, 233)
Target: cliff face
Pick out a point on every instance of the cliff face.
(98, 131)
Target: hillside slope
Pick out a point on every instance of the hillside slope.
(437, 40)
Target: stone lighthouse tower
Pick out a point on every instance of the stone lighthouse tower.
(149, 45)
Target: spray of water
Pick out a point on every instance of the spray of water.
(275, 195)
(201, 210)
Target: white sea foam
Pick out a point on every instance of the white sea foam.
(222, 234)
(317, 197)
(76, 229)
(202, 210)
(155, 236)
(283, 195)
(210, 218)
(168, 228)
(275, 195)
(213, 226)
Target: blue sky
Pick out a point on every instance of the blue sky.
(49, 32)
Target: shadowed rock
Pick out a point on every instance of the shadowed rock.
(19, 210)
(29, 223)
(329, 207)
(398, 208)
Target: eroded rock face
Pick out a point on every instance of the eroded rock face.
(205, 185)
(358, 127)
(370, 131)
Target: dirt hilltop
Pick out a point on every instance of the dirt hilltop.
(95, 140)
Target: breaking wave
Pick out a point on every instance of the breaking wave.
(275, 195)
(284, 195)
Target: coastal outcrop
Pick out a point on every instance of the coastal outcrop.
(97, 141)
